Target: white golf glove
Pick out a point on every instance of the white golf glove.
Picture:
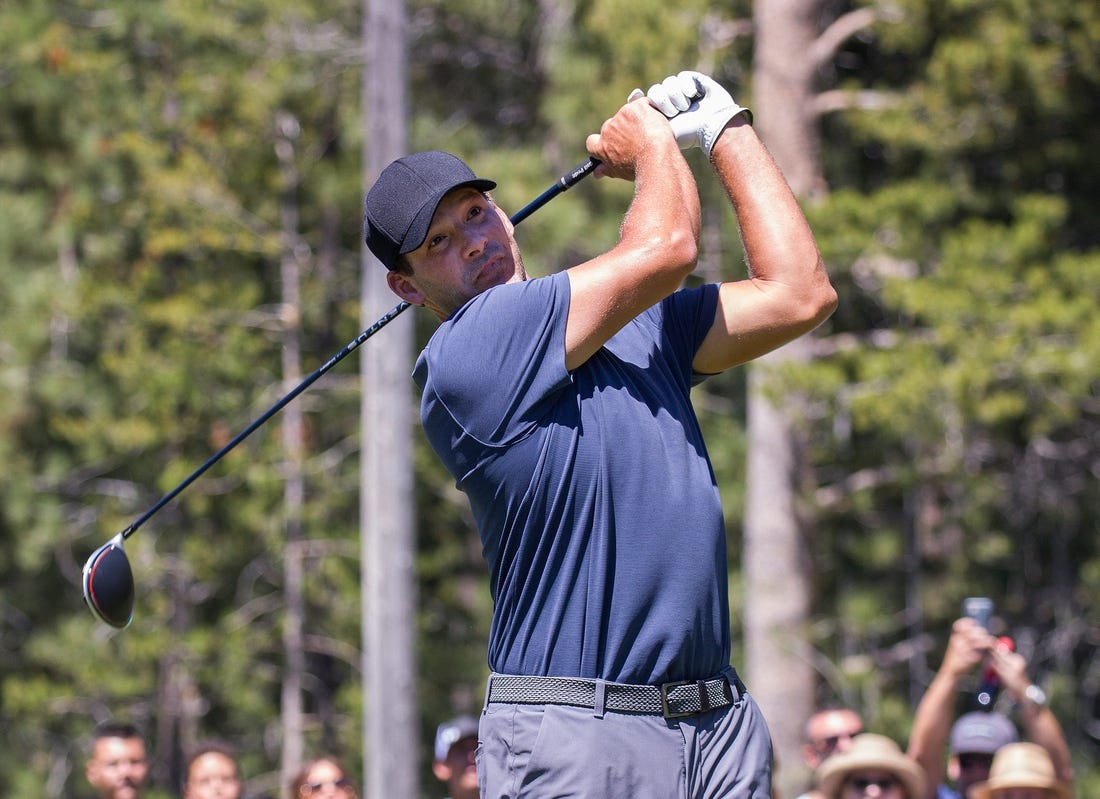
(697, 107)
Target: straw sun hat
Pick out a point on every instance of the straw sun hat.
(1020, 765)
(870, 752)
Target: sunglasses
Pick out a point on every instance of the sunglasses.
(883, 783)
(975, 761)
(317, 787)
(826, 746)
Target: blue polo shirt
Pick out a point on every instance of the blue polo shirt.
(594, 498)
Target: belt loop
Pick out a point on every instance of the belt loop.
(735, 687)
(488, 692)
(704, 697)
(599, 705)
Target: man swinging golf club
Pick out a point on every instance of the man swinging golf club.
(108, 580)
(561, 407)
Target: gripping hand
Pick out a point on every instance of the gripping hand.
(697, 107)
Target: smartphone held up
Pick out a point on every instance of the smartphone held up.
(980, 608)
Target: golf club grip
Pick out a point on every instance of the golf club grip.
(565, 182)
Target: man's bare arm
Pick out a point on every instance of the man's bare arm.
(658, 244)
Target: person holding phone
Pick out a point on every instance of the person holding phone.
(976, 737)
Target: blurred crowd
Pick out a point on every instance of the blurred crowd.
(982, 753)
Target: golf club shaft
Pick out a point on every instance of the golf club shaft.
(564, 183)
(350, 347)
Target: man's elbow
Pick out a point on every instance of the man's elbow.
(675, 250)
(683, 249)
(819, 298)
(827, 301)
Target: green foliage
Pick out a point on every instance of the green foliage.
(142, 150)
(952, 417)
(955, 418)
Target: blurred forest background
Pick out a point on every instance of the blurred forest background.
(181, 186)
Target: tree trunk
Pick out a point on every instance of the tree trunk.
(293, 455)
(174, 713)
(386, 514)
(778, 584)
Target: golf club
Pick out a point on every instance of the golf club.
(108, 580)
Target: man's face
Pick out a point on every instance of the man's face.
(469, 248)
(118, 768)
(212, 776)
(872, 784)
(459, 770)
(968, 768)
(829, 732)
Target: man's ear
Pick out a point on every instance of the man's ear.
(810, 756)
(954, 769)
(442, 771)
(404, 288)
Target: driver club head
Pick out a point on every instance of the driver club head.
(109, 584)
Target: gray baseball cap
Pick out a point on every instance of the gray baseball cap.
(982, 733)
(451, 732)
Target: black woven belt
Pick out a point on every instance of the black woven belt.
(673, 700)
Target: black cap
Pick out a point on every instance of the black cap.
(400, 205)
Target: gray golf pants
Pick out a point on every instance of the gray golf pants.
(544, 751)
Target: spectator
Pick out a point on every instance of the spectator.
(455, 765)
(1021, 771)
(211, 772)
(323, 778)
(975, 738)
(828, 731)
(873, 766)
(118, 767)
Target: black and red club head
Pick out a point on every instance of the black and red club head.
(109, 584)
